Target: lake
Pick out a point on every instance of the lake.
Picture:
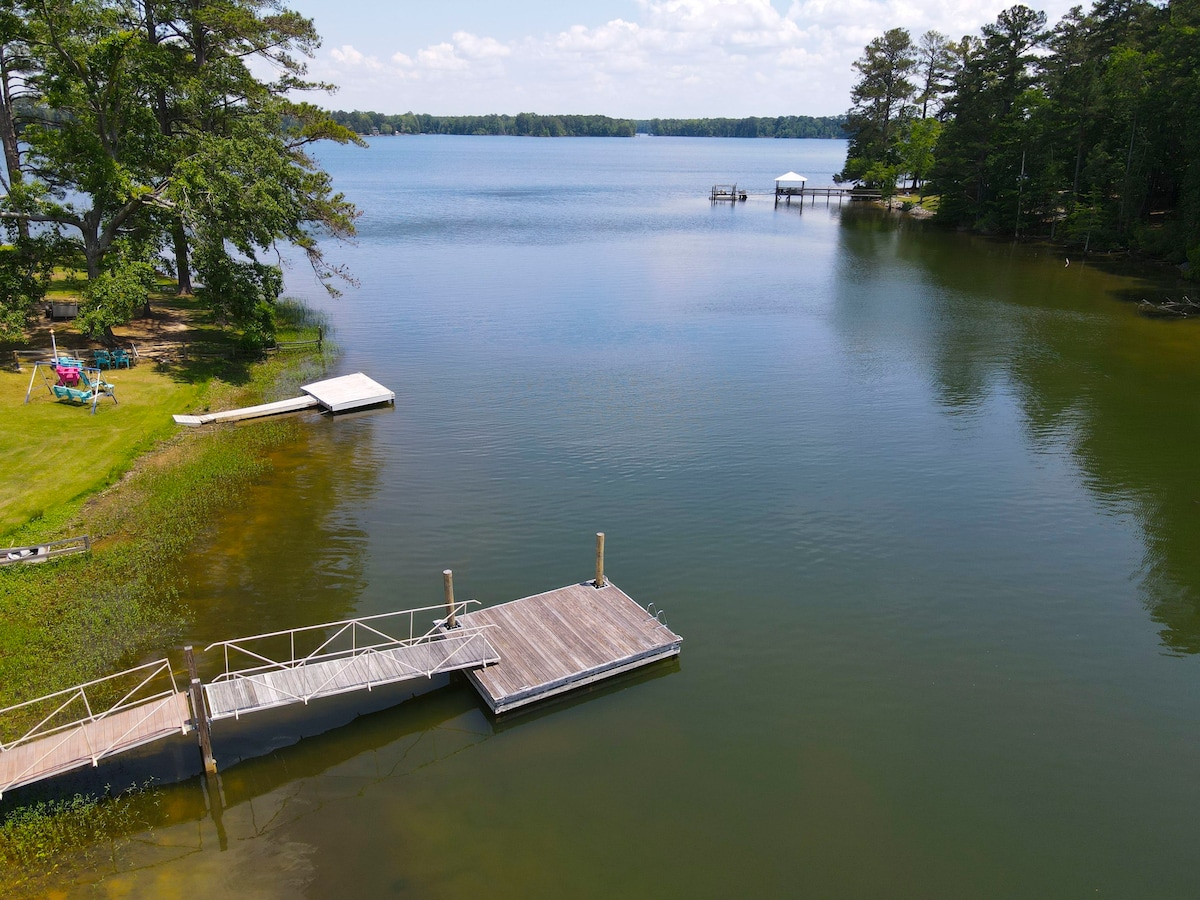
(921, 505)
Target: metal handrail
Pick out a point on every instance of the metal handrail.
(238, 645)
(253, 675)
(129, 700)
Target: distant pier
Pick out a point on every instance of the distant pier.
(792, 189)
(726, 192)
(786, 194)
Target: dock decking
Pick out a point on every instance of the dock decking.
(514, 654)
(348, 392)
(564, 639)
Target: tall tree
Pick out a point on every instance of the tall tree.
(1173, 130)
(983, 152)
(881, 107)
(935, 55)
(140, 92)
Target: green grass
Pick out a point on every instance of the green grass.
(53, 453)
(81, 617)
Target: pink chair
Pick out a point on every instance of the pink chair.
(68, 375)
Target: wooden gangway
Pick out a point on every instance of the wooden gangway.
(82, 725)
(302, 664)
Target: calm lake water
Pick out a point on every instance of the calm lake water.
(923, 507)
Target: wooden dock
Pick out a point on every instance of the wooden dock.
(515, 654)
(565, 639)
(785, 194)
(333, 394)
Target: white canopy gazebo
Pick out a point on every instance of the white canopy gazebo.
(789, 185)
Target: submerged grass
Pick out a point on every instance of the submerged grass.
(34, 840)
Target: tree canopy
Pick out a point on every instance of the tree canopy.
(136, 135)
(1086, 131)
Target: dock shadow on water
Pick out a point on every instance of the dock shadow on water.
(242, 832)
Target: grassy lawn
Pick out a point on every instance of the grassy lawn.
(53, 452)
(84, 616)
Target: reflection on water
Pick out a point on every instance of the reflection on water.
(295, 553)
(1113, 389)
(240, 832)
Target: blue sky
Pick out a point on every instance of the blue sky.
(628, 58)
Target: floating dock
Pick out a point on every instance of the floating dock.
(565, 639)
(515, 654)
(333, 395)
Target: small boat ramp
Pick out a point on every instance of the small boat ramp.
(334, 395)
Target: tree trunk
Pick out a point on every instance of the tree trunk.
(183, 269)
(93, 253)
(8, 135)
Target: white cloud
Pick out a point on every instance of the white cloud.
(476, 48)
(681, 58)
(352, 58)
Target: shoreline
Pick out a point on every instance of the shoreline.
(160, 491)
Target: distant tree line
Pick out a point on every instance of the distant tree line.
(533, 125)
(752, 127)
(522, 124)
(1087, 132)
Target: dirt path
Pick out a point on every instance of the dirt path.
(169, 323)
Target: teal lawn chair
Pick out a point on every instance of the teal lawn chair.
(89, 389)
(103, 358)
(120, 358)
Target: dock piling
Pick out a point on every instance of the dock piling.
(599, 582)
(448, 583)
(199, 716)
